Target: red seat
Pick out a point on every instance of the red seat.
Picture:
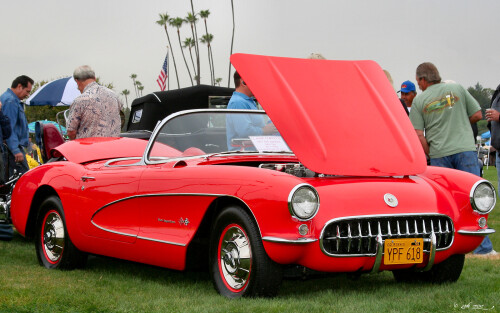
(51, 138)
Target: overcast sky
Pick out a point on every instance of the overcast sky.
(48, 39)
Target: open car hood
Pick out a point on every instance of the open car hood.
(338, 117)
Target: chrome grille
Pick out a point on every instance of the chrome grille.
(356, 236)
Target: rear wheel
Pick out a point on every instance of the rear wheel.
(239, 265)
(447, 271)
(54, 248)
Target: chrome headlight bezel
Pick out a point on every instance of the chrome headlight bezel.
(477, 207)
(292, 201)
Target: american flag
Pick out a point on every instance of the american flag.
(162, 78)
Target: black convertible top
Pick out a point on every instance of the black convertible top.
(148, 110)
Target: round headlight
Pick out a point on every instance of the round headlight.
(303, 202)
(483, 197)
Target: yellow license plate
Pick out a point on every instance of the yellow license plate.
(403, 251)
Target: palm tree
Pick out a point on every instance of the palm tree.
(134, 76)
(125, 93)
(196, 41)
(218, 80)
(232, 41)
(191, 19)
(204, 15)
(177, 23)
(138, 84)
(163, 21)
(208, 39)
(189, 43)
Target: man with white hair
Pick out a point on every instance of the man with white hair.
(96, 112)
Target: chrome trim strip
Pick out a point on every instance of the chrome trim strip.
(139, 237)
(107, 164)
(471, 196)
(160, 195)
(479, 232)
(432, 252)
(378, 257)
(112, 231)
(145, 156)
(380, 215)
(167, 195)
(162, 241)
(154, 94)
(289, 241)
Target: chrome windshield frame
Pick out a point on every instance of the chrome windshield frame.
(145, 157)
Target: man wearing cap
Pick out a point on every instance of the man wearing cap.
(408, 92)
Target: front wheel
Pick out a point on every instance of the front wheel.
(239, 265)
(447, 271)
(54, 248)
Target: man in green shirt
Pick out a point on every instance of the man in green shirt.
(442, 115)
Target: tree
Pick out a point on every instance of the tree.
(163, 21)
(177, 23)
(134, 76)
(125, 93)
(191, 19)
(204, 15)
(189, 43)
(218, 80)
(482, 95)
(232, 41)
(139, 87)
(208, 39)
(197, 47)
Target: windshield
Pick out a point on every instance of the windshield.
(216, 131)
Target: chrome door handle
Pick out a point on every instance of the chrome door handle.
(87, 178)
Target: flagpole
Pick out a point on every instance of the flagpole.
(168, 69)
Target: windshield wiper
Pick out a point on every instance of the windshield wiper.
(245, 152)
(228, 152)
(283, 151)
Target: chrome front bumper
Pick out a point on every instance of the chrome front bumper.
(480, 232)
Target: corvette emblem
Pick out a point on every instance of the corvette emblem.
(184, 221)
(391, 200)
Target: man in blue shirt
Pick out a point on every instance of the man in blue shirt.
(244, 125)
(14, 110)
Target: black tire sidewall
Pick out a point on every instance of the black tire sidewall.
(265, 274)
(230, 215)
(49, 204)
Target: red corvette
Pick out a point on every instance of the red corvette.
(343, 187)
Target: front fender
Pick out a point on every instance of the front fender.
(61, 176)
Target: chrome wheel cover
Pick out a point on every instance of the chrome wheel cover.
(235, 257)
(52, 236)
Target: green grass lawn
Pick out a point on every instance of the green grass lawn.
(110, 285)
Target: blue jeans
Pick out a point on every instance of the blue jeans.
(497, 164)
(463, 161)
(20, 167)
(6, 232)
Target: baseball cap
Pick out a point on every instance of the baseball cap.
(407, 86)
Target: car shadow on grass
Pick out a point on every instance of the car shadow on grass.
(300, 287)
